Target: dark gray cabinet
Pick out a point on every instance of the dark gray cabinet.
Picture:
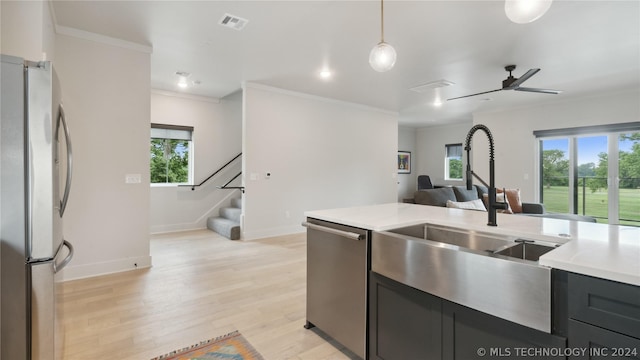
(604, 318)
(471, 334)
(405, 323)
(593, 342)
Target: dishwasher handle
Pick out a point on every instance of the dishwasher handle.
(347, 234)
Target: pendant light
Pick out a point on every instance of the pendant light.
(382, 56)
(526, 11)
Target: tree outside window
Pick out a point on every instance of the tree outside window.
(590, 192)
(453, 162)
(170, 152)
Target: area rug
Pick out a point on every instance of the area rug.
(232, 346)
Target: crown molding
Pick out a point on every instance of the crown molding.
(253, 85)
(103, 39)
(186, 96)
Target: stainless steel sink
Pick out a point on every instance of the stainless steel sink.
(492, 273)
(464, 239)
(525, 251)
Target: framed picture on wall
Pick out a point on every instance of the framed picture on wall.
(404, 162)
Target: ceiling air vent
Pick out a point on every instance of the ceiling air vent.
(234, 22)
(432, 85)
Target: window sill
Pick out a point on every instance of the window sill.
(167, 185)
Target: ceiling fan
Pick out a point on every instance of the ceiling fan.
(511, 83)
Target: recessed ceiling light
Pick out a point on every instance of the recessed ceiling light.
(182, 82)
(437, 103)
(325, 74)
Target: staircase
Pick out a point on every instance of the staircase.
(228, 223)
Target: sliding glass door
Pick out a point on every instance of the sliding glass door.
(554, 182)
(629, 178)
(596, 175)
(591, 178)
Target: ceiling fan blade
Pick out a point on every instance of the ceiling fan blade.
(521, 79)
(485, 92)
(544, 91)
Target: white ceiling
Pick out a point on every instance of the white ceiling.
(583, 47)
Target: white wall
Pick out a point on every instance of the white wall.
(430, 145)
(407, 183)
(217, 138)
(18, 39)
(321, 154)
(27, 30)
(106, 91)
(516, 148)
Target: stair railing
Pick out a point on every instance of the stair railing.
(225, 186)
(193, 187)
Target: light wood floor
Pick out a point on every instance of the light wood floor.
(201, 286)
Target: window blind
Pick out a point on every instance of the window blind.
(586, 130)
(174, 132)
(454, 150)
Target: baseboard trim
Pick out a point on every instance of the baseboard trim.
(266, 233)
(104, 268)
(172, 228)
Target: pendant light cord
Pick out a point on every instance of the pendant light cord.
(381, 21)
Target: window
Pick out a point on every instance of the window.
(453, 162)
(171, 151)
(592, 171)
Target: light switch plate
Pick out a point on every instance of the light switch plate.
(133, 179)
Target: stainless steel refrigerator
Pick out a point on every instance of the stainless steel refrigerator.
(35, 179)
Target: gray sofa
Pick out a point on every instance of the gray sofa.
(440, 196)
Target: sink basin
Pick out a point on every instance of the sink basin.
(458, 237)
(526, 251)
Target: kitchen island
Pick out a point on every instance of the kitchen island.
(591, 261)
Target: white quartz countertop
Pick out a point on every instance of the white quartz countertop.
(610, 252)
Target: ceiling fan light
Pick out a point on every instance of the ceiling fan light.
(382, 57)
(526, 11)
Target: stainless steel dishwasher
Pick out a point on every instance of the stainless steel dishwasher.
(337, 282)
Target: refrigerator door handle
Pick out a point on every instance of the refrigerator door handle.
(67, 187)
(58, 267)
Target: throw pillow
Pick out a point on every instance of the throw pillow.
(481, 190)
(434, 197)
(513, 198)
(499, 198)
(469, 205)
(462, 194)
